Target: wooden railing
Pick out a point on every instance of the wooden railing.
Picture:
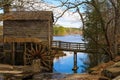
(69, 46)
(73, 46)
(118, 47)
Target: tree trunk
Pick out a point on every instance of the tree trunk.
(6, 6)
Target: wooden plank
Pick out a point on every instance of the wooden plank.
(70, 46)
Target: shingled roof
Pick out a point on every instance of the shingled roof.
(29, 15)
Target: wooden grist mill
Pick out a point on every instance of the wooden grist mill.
(26, 35)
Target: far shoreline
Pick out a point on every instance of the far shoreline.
(68, 35)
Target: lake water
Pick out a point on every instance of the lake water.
(65, 64)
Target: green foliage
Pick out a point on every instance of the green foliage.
(101, 26)
(94, 32)
(61, 31)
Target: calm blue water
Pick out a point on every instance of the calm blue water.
(69, 38)
(65, 64)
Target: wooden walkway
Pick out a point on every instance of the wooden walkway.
(70, 46)
(73, 46)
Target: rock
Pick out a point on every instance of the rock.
(98, 69)
(117, 78)
(117, 59)
(36, 66)
(116, 64)
(2, 77)
(112, 71)
(59, 76)
(85, 77)
(49, 76)
(6, 67)
(103, 78)
(25, 68)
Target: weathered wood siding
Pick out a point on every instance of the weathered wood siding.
(28, 28)
(22, 28)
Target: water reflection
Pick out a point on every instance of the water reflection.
(59, 54)
(75, 67)
(65, 63)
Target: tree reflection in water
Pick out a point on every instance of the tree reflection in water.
(66, 63)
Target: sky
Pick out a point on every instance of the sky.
(67, 20)
(71, 20)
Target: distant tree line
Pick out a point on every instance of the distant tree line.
(61, 31)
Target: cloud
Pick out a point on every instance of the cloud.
(70, 20)
(67, 20)
(69, 23)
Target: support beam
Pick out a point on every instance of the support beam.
(25, 51)
(13, 53)
(75, 63)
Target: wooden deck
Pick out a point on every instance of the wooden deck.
(70, 46)
(75, 47)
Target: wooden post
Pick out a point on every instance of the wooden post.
(75, 63)
(13, 53)
(49, 35)
(36, 65)
(60, 44)
(69, 46)
(31, 44)
(25, 53)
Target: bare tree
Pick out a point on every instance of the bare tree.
(107, 12)
(22, 5)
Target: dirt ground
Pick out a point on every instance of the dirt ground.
(96, 72)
